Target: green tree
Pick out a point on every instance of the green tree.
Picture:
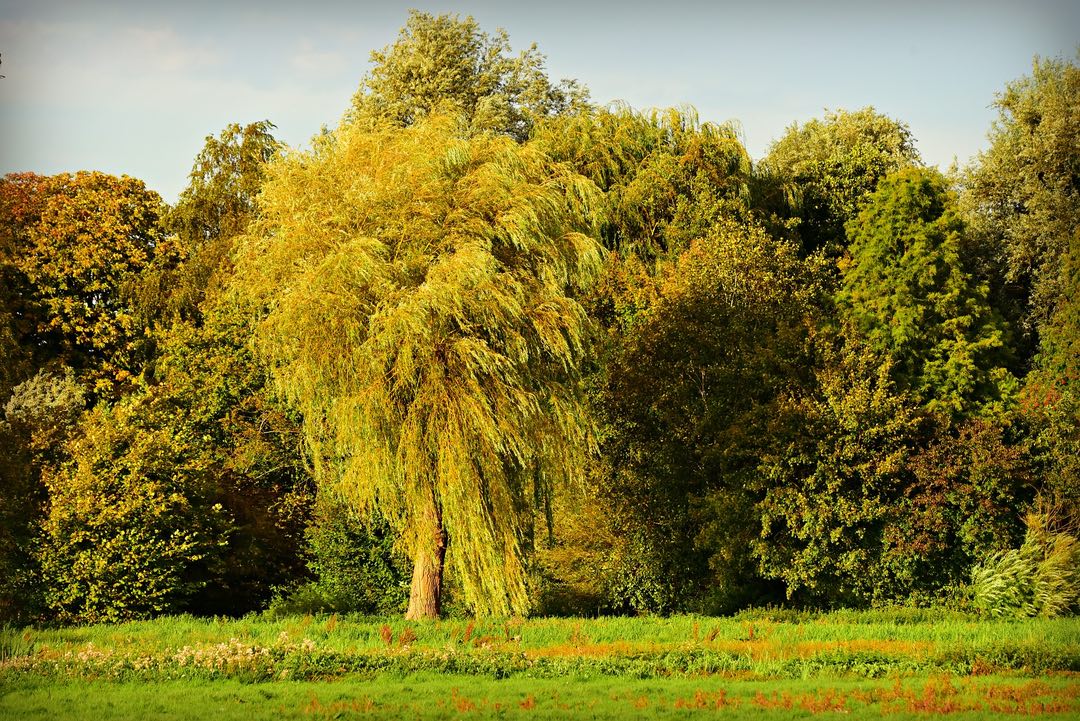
(1052, 401)
(666, 176)
(130, 521)
(833, 481)
(419, 317)
(205, 386)
(448, 64)
(212, 210)
(224, 183)
(1023, 199)
(687, 406)
(1023, 194)
(835, 164)
(205, 445)
(211, 390)
(357, 565)
(911, 289)
(669, 181)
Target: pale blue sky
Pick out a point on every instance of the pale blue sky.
(134, 87)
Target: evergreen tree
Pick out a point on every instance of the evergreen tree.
(910, 288)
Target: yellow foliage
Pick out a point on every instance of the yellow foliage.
(419, 293)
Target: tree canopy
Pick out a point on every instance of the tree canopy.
(419, 286)
(210, 213)
(443, 63)
(550, 357)
(667, 177)
(1024, 189)
(912, 289)
(82, 245)
(834, 164)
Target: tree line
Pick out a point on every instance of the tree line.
(490, 348)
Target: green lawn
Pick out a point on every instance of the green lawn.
(900, 664)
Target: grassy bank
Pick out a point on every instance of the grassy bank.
(759, 665)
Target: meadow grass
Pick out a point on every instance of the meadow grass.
(431, 696)
(760, 664)
(359, 633)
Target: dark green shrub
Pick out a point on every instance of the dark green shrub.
(36, 419)
(356, 566)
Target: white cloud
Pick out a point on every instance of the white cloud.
(309, 59)
(162, 49)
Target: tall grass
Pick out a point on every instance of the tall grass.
(866, 643)
(1041, 578)
(356, 633)
(15, 643)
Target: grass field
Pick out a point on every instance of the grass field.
(766, 664)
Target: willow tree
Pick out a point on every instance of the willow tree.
(667, 177)
(418, 287)
(440, 62)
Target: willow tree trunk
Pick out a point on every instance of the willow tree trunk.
(425, 596)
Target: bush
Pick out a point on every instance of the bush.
(37, 418)
(959, 507)
(357, 568)
(131, 528)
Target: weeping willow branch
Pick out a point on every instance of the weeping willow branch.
(418, 288)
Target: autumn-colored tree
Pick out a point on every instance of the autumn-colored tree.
(418, 283)
(90, 238)
(960, 505)
(21, 197)
(446, 63)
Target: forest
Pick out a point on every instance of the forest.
(488, 349)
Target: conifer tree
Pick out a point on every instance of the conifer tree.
(911, 289)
